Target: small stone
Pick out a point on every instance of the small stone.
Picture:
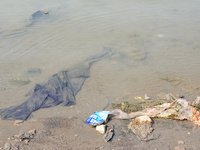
(26, 141)
(7, 146)
(179, 148)
(32, 132)
(17, 122)
(101, 128)
(76, 135)
(144, 119)
(181, 142)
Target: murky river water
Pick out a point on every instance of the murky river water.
(155, 48)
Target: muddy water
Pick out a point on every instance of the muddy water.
(155, 49)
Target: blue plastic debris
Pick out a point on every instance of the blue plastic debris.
(97, 118)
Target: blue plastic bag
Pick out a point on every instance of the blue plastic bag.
(97, 118)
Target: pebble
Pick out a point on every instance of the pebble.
(33, 131)
(181, 142)
(7, 146)
(17, 122)
(179, 148)
(101, 129)
(144, 119)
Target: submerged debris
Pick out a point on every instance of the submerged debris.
(138, 104)
(173, 80)
(34, 71)
(61, 88)
(20, 82)
(38, 16)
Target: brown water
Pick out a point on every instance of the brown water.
(150, 40)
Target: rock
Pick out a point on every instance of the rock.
(181, 142)
(144, 119)
(7, 146)
(17, 122)
(142, 128)
(179, 148)
(101, 128)
(109, 133)
(32, 132)
(76, 135)
(26, 141)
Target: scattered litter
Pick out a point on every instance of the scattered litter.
(180, 109)
(145, 97)
(98, 118)
(109, 133)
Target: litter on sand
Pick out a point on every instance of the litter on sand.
(97, 118)
(180, 109)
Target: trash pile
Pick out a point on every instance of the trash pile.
(141, 121)
(180, 109)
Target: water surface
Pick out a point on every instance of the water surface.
(155, 45)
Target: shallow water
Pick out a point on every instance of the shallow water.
(155, 49)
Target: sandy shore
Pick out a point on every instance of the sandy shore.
(73, 134)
